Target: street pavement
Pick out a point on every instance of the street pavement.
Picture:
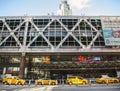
(93, 87)
(87, 88)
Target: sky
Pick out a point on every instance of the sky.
(43, 7)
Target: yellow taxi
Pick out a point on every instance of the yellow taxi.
(46, 81)
(76, 80)
(106, 79)
(13, 80)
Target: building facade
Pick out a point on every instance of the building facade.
(56, 46)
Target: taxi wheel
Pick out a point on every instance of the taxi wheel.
(103, 82)
(83, 83)
(39, 83)
(53, 83)
(70, 83)
(19, 83)
(5, 83)
(115, 81)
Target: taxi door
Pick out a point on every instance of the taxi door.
(75, 80)
(46, 81)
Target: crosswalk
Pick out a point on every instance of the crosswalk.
(44, 88)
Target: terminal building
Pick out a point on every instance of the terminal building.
(61, 45)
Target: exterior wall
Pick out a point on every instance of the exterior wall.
(40, 65)
(54, 36)
(55, 33)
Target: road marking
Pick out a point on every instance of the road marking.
(49, 88)
(31, 89)
(37, 89)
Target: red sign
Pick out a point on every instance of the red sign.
(81, 58)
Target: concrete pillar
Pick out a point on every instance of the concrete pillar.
(4, 70)
(22, 66)
(26, 70)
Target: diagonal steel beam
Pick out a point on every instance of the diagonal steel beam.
(77, 40)
(67, 30)
(91, 26)
(12, 33)
(76, 25)
(47, 40)
(14, 36)
(63, 40)
(97, 35)
(70, 33)
(41, 33)
(37, 29)
(9, 29)
(73, 29)
(19, 26)
(63, 25)
(48, 25)
(4, 24)
(5, 40)
(66, 38)
(16, 39)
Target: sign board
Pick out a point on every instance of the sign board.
(111, 37)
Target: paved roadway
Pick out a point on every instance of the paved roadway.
(93, 87)
(87, 88)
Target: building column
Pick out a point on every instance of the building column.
(26, 71)
(4, 70)
(22, 66)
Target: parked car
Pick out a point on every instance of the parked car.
(76, 80)
(13, 80)
(46, 81)
(106, 79)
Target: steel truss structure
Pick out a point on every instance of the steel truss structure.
(25, 34)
